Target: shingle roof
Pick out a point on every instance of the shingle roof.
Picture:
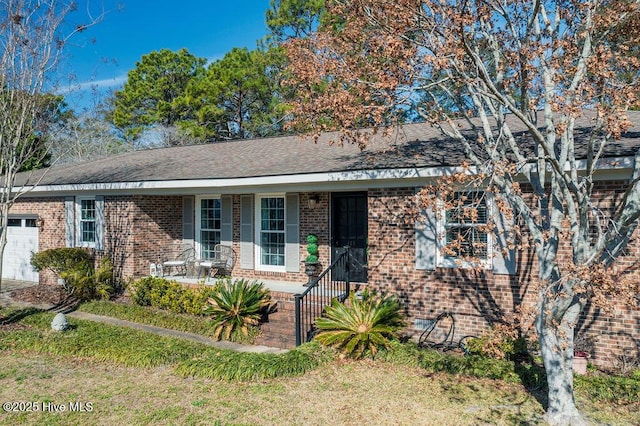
(413, 145)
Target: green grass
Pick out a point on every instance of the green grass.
(103, 344)
(609, 389)
(126, 347)
(151, 316)
(437, 362)
(99, 342)
(225, 365)
(343, 392)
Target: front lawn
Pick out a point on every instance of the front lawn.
(132, 377)
(116, 345)
(342, 393)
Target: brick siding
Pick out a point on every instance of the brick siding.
(138, 229)
(480, 298)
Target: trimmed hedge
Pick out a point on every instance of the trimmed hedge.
(171, 295)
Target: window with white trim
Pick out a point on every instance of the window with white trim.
(464, 237)
(86, 222)
(209, 226)
(271, 232)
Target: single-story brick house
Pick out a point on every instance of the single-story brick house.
(135, 206)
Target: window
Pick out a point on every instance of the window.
(465, 235)
(209, 224)
(17, 222)
(271, 232)
(86, 215)
(84, 222)
(14, 222)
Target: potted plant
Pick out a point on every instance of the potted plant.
(312, 266)
(582, 348)
(580, 361)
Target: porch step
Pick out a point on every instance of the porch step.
(280, 329)
(282, 338)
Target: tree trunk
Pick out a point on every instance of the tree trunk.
(556, 344)
(4, 220)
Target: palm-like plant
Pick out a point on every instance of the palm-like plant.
(237, 305)
(364, 324)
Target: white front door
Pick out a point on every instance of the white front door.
(22, 240)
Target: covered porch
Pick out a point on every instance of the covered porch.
(276, 286)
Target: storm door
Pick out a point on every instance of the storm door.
(349, 228)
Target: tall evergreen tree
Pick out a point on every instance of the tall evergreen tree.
(293, 18)
(236, 98)
(151, 88)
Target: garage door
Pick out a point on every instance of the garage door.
(22, 240)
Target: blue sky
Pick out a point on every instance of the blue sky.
(101, 56)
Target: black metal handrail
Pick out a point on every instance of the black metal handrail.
(332, 283)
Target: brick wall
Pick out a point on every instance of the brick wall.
(157, 221)
(143, 229)
(118, 234)
(479, 298)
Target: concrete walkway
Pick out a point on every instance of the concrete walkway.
(220, 344)
(6, 301)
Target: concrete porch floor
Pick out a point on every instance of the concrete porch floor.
(272, 285)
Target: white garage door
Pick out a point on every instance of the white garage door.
(22, 240)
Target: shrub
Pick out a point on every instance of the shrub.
(312, 249)
(76, 267)
(501, 341)
(528, 374)
(170, 295)
(141, 294)
(62, 259)
(171, 299)
(158, 291)
(237, 305)
(364, 325)
(85, 283)
(193, 301)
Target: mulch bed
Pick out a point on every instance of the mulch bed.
(40, 294)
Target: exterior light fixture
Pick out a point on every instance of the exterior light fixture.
(314, 201)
